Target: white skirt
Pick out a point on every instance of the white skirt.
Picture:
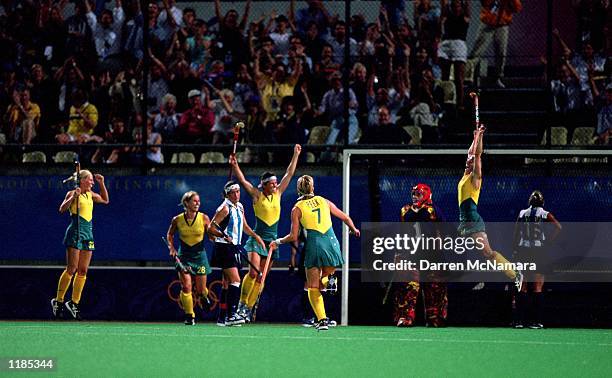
(454, 50)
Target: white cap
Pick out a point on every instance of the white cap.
(193, 93)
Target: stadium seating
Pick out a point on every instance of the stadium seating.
(318, 134)
(558, 136)
(450, 94)
(212, 157)
(183, 158)
(583, 136)
(415, 133)
(64, 157)
(34, 157)
(241, 157)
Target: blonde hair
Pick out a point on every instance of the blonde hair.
(84, 173)
(305, 186)
(187, 197)
(357, 67)
(226, 92)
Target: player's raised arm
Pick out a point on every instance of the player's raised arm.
(253, 192)
(297, 149)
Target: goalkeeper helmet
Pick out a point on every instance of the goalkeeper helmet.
(421, 195)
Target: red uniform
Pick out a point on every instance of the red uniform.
(434, 290)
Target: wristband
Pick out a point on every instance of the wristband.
(277, 241)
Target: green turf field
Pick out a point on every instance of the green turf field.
(164, 349)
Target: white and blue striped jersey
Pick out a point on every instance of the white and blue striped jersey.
(531, 227)
(233, 223)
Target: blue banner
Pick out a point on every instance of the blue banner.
(131, 226)
(141, 207)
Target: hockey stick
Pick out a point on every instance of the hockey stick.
(184, 268)
(75, 179)
(475, 98)
(263, 280)
(237, 127)
(240, 249)
(389, 286)
(388, 290)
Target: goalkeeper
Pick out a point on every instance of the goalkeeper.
(421, 210)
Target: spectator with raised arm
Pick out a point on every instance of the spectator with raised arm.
(53, 34)
(171, 8)
(79, 42)
(426, 23)
(337, 43)
(281, 34)
(604, 118)
(227, 112)
(233, 48)
(314, 13)
(590, 66)
(161, 31)
(567, 100)
(106, 34)
(332, 106)
(167, 120)
(275, 87)
(21, 118)
(197, 122)
(157, 85)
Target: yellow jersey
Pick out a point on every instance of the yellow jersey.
(467, 190)
(191, 233)
(85, 206)
(315, 214)
(267, 213)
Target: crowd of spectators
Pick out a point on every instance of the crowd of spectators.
(82, 78)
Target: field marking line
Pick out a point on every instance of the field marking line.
(346, 338)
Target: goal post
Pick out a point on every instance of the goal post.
(547, 163)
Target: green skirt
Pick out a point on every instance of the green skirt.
(322, 250)
(198, 262)
(81, 236)
(253, 246)
(470, 222)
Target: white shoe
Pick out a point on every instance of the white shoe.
(518, 281)
(479, 286)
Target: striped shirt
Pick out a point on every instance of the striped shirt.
(531, 227)
(233, 223)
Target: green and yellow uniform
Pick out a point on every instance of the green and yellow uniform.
(321, 247)
(267, 214)
(470, 221)
(79, 233)
(191, 237)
